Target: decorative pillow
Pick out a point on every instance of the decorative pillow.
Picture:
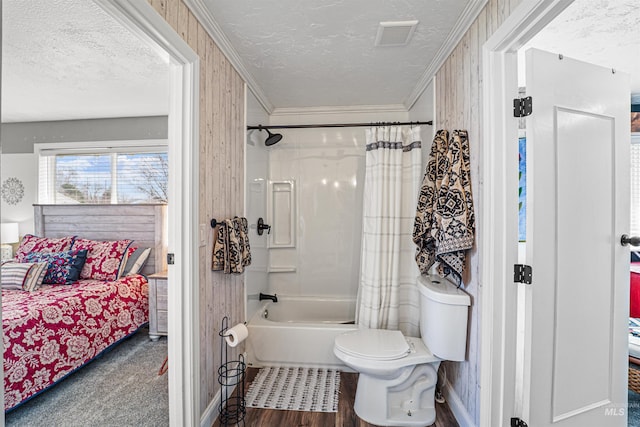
(103, 258)
(136, 261)
(31, 243)
(14, 274)
(63, 267)
(35, 277)
(130, 250)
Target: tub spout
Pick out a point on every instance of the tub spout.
(273, 297)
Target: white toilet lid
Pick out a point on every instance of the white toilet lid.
(375, 344)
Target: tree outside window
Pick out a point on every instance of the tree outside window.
(122, 178)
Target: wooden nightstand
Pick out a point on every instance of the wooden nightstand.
(157, 305)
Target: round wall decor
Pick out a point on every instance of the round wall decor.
(12, 191)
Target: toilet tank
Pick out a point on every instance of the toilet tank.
(444, 315)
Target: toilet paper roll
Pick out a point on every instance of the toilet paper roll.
(236, 335)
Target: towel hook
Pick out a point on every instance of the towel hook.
(215, 223)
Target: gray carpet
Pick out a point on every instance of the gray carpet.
(120, 388)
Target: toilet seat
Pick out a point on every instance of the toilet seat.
(373, 344)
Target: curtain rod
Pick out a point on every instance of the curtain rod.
(340, 125)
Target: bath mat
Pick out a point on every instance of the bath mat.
(295, 389)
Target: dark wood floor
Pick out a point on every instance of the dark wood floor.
(345, 417)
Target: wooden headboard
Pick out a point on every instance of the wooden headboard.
(144, 224)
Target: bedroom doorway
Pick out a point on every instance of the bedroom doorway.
(142, 20)
(500, 376)
(183, 313)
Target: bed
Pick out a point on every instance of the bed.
(53, 329)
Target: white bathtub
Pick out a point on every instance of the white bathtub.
(299, 331)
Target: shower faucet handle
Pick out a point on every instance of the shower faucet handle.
(262, 226)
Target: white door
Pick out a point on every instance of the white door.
(578, 208)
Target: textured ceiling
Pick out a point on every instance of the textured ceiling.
(309, 53)
(68, 59)
(603, 32)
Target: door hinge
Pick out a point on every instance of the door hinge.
(517, 422)
(522, 273)
(522, 106)
(171, 259)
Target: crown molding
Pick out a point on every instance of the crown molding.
(339, 110)
(467, 18)
(202, 13)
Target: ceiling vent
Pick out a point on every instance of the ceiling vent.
(396, 33)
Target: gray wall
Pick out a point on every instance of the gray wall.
(20, 137)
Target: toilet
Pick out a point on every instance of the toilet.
(398, 374)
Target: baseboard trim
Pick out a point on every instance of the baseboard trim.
(457, 407)
(211, 413)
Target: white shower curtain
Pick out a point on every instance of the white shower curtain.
(388, 297)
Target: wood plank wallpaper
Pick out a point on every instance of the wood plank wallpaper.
(459, 106)
(221, 183)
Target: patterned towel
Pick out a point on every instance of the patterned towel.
(445, 224)
(220, 257)
(231, 249)
(241, 228)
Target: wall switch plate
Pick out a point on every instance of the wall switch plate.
(203, 235)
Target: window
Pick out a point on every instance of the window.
(119, 173)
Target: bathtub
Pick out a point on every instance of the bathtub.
(299, 331)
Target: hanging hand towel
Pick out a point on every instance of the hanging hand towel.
(231, 249)
(221, 248)
(444, 226)
(243, 258)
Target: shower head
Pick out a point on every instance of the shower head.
(272, 138)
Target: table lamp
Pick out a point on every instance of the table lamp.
(9, 234)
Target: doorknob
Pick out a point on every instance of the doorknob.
(633, 240)
(262, 226)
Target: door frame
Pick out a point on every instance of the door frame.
(141, 18)
(498, 243)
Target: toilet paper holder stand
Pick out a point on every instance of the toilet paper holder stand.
(232, 408)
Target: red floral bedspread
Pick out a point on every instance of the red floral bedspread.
(52, 331)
